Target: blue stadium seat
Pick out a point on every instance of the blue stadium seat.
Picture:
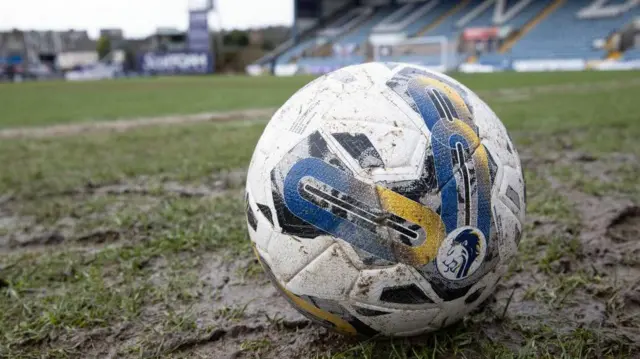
(563, 35)
(357, 36)
(401, 13)
(338, 61)
(528, 13)
(361, 33)
(300, 48)
(483, 19)
(633, 54)
(296, 50)
(414, 28)
(448, 26)
(616, 2)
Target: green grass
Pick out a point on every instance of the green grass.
(189, 152)
(62, 300)
(255, 345)
(47, 103)
(181, 152)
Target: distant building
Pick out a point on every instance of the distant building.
(166, 39)
(42, 47)
(113, 34)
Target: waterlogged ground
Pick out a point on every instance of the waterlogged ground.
(132, 243)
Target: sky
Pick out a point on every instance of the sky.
(137, 18)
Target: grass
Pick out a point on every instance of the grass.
(255, 345)
(66, 290)
(142, 288)
(620, 179)
(181, 153)
(546, 202)
(541, 342)
(233, 313)
(37, 104)
(45, 103)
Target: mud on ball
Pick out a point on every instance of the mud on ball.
(385, 199)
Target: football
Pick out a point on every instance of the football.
(385, 199)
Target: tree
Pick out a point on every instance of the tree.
(268, 45)
(103, 47)
(129, 59)
(236, 38)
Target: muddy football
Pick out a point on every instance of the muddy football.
(385, 198)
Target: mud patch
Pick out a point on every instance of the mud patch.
(573, 288)
(151, 187)
(582, 272)
(79, 216)
(602, 217)
(234, 315)
(129, 124)
(625, 227)
(158, 186)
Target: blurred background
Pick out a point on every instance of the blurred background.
(287, 37)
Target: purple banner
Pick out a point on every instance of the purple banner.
(198, 33)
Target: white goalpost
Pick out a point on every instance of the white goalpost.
(434, 52)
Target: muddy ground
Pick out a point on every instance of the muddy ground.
(103, 259)
(575, 287)
(128, 123)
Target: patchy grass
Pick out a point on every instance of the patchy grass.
(461, 341)
(602, 180)
(170, 199)
(256, 345)
(543, 201)
(181, 153)
(46, 103)
(49, 294)
(233, 313)
(57, 294)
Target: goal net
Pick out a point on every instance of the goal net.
(434, 52)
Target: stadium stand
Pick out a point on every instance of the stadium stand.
(564, 35)
(361, 33)
(431, 18)
(446, 24)
(495, 33)
(347, 48)
(408, 19)
(354, 18)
